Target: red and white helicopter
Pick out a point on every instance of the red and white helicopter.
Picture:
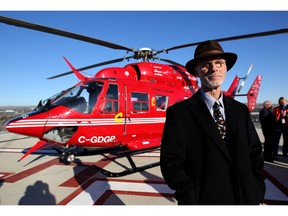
(121, 110)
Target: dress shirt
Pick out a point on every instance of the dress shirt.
(209, 100)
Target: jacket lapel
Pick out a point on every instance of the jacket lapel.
(200, 111)
(231, 115)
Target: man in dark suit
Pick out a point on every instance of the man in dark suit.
(268, 126)
(205, 162)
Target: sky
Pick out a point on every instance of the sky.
(29, 57)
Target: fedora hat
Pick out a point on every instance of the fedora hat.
(210, 49)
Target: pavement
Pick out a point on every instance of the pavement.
(40, 179)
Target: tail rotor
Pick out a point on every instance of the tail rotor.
(244, 78)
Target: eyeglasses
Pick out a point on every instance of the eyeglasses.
(207, 65)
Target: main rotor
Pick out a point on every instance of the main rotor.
(144, 54)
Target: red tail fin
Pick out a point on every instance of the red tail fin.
(253, 93)
(233, 88)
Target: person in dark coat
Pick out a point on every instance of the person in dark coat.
(201, 163)
(268, 126)
(281, 118)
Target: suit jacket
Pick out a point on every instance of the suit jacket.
(195, 162)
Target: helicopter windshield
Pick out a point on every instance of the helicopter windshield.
(81, 97)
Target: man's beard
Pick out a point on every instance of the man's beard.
(211, 84)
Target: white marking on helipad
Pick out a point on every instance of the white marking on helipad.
(13, 150)
(273, 193)
(149, 154)
(91, 194)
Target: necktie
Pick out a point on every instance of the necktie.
(219, 119)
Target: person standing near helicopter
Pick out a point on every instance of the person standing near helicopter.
(207, 163)
(281, 118)
(268, 126)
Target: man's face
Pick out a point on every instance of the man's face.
(212, 72)
(282, 102)
(268, 105)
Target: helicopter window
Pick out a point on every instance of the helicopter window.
(71, 98)
(71, 92)
(94, 90)
(112, 104)
(161, 102)
(140, 101)
(81, 98)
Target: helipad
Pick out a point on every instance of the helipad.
(40, 179)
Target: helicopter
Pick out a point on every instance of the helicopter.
(119, 111)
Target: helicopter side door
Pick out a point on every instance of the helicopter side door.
(112, 111)
(140, 123)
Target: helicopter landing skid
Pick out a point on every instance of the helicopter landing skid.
(127, 170)
(68, 155)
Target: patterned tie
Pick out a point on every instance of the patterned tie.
(219, 119)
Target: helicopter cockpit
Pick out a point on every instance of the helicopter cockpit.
(81, 97)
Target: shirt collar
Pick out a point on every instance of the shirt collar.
(209, 100)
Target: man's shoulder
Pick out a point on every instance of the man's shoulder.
(237, 104)
(180, 104)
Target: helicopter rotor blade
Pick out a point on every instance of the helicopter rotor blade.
(169, 61)
(259, 34)
(58, 32)
(91, 66)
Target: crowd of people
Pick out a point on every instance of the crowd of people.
(274, 124)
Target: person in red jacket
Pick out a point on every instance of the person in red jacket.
(281, 117)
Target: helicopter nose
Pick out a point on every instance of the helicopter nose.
(26, 125)
(8, 125)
